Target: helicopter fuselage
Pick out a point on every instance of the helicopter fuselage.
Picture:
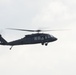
(34, 39)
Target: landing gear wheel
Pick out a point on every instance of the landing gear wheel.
(42, 43)
(46, 44)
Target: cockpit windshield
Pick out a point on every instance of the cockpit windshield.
(51, 35)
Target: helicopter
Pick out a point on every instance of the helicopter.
(34, 38)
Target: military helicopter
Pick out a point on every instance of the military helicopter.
(34, 38)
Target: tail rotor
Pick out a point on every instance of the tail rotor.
(0, 39)
(1, 32)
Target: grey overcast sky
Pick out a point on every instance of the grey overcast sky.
(58, 58)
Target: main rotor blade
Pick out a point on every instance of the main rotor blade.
(55, 30)
(37, 30)
(22, 29)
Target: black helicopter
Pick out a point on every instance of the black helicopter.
(35, 38)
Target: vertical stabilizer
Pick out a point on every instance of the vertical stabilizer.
(2, 41)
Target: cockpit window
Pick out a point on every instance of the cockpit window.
(52, 36)
(48, 36)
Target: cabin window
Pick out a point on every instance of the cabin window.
(42, 38)
(38, 38)
(35, 38)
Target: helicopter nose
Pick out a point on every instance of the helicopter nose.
(55, 38)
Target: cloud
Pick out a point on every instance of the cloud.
(55, 14)
(35, 14)
(5, 2)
